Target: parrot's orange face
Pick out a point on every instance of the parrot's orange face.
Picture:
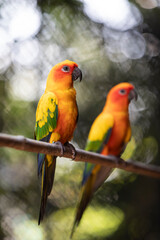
(121, 95)
(62, 75)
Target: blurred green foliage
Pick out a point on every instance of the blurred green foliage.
(127, 205)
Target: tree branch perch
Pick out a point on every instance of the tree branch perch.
(29, 145)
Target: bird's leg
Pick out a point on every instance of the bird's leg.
(61, 146)
(119, 160)
(72, 149)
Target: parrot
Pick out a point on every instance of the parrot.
(56, 119)
(108, 135)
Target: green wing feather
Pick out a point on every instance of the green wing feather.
(46, 115)
(99, 135)
(100, 132)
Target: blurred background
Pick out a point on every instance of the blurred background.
(112, 41)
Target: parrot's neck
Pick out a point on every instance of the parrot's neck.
(56, 83)
(60, 91)
(117, 108)
(65, 95)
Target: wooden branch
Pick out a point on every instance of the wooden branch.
(26, 144)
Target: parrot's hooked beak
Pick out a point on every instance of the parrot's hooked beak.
(76, 74)
(132, 95)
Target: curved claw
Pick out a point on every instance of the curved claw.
(119, 160)
(73, 150)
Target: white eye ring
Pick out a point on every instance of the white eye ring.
(122, 91)
(65, 68)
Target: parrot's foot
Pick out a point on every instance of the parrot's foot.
(72, 149)
(61, 146)
(119, 161)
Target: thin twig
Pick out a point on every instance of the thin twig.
(26, 144)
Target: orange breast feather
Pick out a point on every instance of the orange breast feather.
(118, 136)
(67, 115)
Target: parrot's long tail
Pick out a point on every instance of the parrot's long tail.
(85, 197)
(102, 175)
(94, 181)
(48, 172)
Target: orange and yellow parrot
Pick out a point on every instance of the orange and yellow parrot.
(109, 134)
(56, 119)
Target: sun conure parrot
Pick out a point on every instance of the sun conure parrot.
(109, 134)
(56, 119)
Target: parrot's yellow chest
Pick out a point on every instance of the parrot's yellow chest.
(67, 115)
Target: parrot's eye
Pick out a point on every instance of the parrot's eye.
(122, 91)
(65, 69)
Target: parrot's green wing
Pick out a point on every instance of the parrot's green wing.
(46, 115)
(46, 121)
(98, 137)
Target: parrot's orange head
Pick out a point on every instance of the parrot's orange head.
(62, 75)
(120, 96)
